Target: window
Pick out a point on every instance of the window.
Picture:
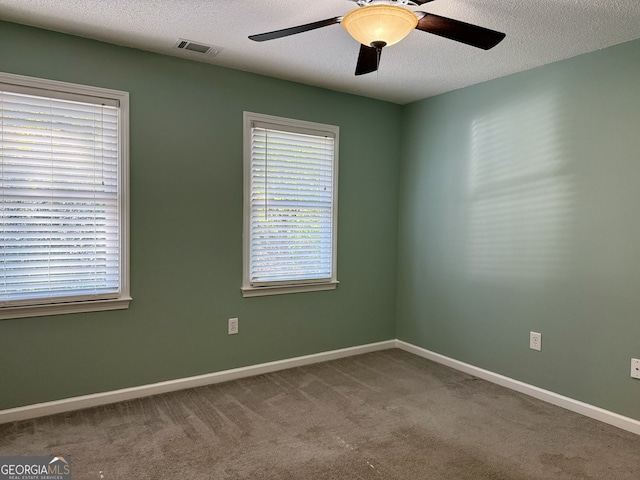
(290, 205)
(63, 198)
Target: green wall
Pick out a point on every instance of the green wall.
(519, 211)
(517, 204)
(186, 228)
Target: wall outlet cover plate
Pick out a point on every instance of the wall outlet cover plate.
(233, 326)
(535, 341)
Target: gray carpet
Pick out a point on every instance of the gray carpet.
(384, 415)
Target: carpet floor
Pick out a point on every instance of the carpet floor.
(383, 415)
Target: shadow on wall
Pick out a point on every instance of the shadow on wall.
(520, 192)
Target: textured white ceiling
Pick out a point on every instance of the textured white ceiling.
(422, 65)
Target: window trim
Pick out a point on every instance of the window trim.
(296, 286)
(72, 91)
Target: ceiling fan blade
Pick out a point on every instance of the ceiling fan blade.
(368, 60)
(285, 32)
(473, 35)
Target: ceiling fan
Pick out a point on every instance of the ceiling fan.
(380, 23)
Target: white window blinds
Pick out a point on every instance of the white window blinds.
(59, 211)
(291, 224)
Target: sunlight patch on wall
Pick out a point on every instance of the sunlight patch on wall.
(520, 192)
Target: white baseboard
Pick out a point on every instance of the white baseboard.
(104, 398)
(597, 413)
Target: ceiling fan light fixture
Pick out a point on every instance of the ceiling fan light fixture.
(379, 23)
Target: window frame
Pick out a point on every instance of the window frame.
(295, 286)
(76, 92)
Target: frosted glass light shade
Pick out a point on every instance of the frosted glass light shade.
(379, 23)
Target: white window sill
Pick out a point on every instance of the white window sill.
(63, 308)
(284, 289)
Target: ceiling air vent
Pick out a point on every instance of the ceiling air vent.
(196, 47)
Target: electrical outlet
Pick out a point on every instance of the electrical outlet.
(535, 341)
(233, 326)
(635, 368)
